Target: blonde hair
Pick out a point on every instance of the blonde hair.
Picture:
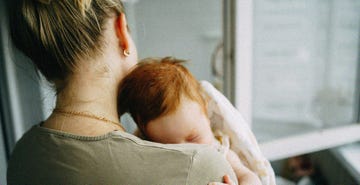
(55, 34)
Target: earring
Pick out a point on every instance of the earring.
(126, 52)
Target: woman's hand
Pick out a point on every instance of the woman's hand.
(227, 181)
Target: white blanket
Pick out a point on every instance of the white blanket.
(226, 118)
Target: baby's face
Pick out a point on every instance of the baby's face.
(188, 124)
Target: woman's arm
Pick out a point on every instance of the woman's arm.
(209, 165)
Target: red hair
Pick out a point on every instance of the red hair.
(155, 88)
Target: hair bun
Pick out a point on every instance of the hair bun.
(44, 1)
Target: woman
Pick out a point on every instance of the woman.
(84, 48)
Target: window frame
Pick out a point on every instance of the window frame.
(288, 146)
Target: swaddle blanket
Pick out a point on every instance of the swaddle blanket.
(226, 118)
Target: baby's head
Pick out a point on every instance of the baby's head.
(166, 102)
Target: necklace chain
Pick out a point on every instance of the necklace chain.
(88, 115)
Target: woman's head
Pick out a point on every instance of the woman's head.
(57, 34)
(162, 88)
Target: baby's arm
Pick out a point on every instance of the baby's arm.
(243, 174)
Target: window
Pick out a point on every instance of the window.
(304, 77)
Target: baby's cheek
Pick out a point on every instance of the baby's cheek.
(208, 139)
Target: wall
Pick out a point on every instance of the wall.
(3, 163)
(188, 29)
(22, 88)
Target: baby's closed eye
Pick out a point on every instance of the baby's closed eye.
(194, 138)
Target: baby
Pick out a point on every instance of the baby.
(169, 106)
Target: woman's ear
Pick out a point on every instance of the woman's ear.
(122, 33)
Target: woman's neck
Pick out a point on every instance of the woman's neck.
(96, 96)
(90, 94)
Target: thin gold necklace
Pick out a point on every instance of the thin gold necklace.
(88, 115)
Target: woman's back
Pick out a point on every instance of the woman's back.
(84, 49)
(45, 156)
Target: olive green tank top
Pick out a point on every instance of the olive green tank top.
(45, 156)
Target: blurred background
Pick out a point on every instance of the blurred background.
(291, 68)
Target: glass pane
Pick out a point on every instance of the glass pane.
(305, 65)
(189, 29)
